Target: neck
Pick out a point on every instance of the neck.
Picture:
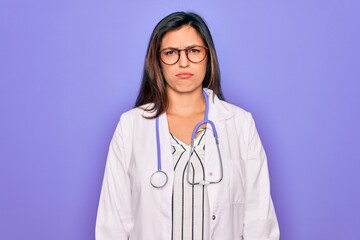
(186, 104)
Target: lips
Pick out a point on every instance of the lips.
(184, 75)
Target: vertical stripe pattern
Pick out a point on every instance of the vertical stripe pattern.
(190, 203)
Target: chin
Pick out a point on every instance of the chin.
(189, 89)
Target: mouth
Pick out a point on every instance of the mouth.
(184, 75)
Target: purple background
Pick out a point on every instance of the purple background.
(68, 69)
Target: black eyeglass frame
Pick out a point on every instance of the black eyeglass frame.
(186, 53)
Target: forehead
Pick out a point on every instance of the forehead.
(182, 37)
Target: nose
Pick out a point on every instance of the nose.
(183, 60)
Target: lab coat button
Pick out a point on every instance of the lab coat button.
(213, 217)
(210, 173)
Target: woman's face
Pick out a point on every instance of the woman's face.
(183, 76)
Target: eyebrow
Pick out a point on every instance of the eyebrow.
(174, 48)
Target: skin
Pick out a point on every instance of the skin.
(184, 84)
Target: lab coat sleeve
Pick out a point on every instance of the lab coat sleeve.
(114, 218)
(260, 222)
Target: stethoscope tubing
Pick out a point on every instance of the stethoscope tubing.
(158, 144)
(204, 182)
(156, 175)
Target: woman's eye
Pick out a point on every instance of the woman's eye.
(193, 50)
(170, 52)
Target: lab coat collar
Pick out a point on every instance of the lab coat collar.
(217, 110)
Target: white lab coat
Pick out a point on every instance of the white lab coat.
(240, 205)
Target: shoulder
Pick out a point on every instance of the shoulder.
(138, 113)
(232, 111)
(240, 115)
(240, 120)
(236, 110)
(134, 118)
(224, 110)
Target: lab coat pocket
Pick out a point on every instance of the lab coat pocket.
(227, 222)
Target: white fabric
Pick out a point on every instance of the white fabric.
(240, 206)
(191, 214)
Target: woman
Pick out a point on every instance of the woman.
(165, 180)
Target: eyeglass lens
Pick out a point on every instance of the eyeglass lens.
(194, 54)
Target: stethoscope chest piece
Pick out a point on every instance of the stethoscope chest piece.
(158, 179)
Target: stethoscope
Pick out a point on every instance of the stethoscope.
(159, 178)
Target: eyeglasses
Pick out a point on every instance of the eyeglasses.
(194, 54)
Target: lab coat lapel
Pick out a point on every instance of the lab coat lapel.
(218, 114)
(166, 155)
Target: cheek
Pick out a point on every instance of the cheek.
(167, 72)
(202, 69)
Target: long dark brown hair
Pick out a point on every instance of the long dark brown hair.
(153, 85)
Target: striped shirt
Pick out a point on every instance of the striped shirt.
(190, 206)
